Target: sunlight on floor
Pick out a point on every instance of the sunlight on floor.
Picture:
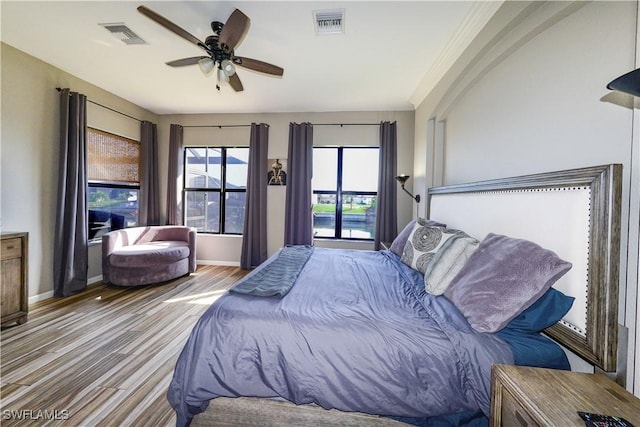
(206, 298)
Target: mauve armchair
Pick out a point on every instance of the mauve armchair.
(145, 255)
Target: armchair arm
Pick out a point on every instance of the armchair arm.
(192, 249)
(110, 242)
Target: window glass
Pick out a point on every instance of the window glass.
(324, 215)
(345, 183)
(203, 167)
(203, 210)
(237, 167)
(234, 212)
(358, 216)
(215, 188)
(360, 169)
(325, 169)
(111, 209)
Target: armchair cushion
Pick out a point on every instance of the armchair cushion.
(149, 254)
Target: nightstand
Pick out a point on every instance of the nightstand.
(524, 396)
(14, 292)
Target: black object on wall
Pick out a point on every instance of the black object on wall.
(627, 83)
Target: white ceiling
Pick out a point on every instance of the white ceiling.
(384, 61)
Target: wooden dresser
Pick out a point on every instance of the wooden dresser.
(523, 396)
(14, 294)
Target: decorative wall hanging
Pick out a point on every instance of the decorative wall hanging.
(277, 174)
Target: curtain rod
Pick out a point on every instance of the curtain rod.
(314, 124)
(345, 124)
(217, 126)
(108, 108)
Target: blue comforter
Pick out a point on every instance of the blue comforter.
(357, 332)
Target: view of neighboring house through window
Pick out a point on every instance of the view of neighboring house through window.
(345, 185)
(215, 188)
(113, 164)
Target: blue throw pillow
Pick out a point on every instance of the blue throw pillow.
(545, 312)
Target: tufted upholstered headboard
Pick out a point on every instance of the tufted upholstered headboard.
(575, 213)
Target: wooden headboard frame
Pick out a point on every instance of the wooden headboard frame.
(599, 188)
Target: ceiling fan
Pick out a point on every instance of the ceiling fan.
(219, 48)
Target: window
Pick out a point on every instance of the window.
(215, 188)
(345, 184)
(113, 164)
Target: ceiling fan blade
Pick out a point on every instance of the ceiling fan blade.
(186, 61)
(234, 29)
(254, 64)
(235, 83)
(170, 26)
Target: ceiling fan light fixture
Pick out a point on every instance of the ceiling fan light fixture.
(219, 48)
(228, 68)
(222, 76)
(206, 65)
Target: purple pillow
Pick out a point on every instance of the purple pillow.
(502, 278)
(397, 246)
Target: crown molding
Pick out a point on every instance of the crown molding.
(475, 20)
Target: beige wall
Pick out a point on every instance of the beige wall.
(532, 98)
(29, 157)
(226, 249)
(29, 153)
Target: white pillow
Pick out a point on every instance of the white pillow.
(447, 262)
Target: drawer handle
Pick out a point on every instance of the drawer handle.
(521, 420)
(10, 247)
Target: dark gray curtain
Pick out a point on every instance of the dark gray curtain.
(386, 214)
(174, 205)
(149, 203)
(70, 252)
(254, 234)
(298, 220)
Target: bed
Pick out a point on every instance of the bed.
(374, 332)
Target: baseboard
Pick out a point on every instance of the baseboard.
(49, 294)
(40, 297)
(223, 263)
(94, 280)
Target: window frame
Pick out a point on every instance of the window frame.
(340, 193)
(111, 185)
(223, 190)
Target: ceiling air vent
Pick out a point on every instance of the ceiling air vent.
(329, 21)
(123, 33)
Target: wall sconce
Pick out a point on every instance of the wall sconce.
(402, 179)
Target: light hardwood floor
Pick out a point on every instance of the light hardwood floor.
(103, 357)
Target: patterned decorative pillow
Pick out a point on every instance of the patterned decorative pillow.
(423, 244)
(397, 246)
